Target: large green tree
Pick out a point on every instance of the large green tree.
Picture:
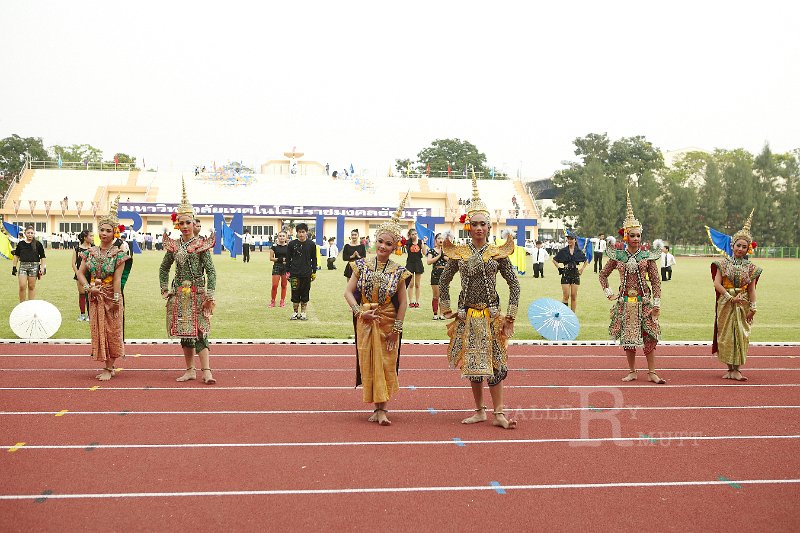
(455, 153)
(593, 190)
(77, 153)
(14, 150)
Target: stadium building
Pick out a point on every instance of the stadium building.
(283, 193)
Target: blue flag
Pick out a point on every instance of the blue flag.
(585, 244)
(423, 231)
(352, 170)
(228, 239)
(13, 229)
(720, 241)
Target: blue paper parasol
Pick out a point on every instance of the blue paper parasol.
(553, 320)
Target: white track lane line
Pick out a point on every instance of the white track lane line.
(643, 386)
(373, 490)
(402, 356)
(594, 408)
(299, 370)
(450, 442)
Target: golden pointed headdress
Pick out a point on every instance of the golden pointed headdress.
(630, 220)
(184, 208)
(476, 205)
(111, 217)
(392, 226)
(744, 233)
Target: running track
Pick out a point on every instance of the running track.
(282, 443)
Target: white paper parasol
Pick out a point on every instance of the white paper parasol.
(35, 319)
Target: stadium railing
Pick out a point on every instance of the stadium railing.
(770, 252)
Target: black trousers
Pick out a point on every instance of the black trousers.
(331, 263)
(666, 273)
(301, 288)
(246, 253)
(598, 262)
(538, 269)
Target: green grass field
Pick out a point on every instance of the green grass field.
(243, 295)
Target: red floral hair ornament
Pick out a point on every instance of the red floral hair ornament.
(174, 216)
(463, 218)
(121, 227)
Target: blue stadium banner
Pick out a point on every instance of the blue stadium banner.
(266, 210)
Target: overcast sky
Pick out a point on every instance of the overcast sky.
(179, 83)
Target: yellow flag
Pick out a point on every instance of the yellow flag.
(5, 246)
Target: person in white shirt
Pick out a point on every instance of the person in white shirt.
(599, 252)
(539, 255)
(667, 260)
(333, 251)
(248, 242)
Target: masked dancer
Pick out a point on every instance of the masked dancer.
(735, 279)
(190, 297)
(100, 275)
(637, 306)
(479, 334)
(376, 292)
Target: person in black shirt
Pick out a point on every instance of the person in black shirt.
(278, 253)
(301, 263)
(352, 251)
(30, 256)
(415, 249)
(573, 261)
(437, 258)
(84, 243)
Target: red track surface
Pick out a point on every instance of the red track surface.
(148, 441)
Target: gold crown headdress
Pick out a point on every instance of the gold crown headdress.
(184, 208)
(111, 217)
(630, 220)
(476, 205)
(744, 233)
(392, 226)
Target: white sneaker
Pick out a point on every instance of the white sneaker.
(303, 316)
(295, 316)
(81, 318)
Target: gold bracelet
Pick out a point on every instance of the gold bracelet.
(356, 310)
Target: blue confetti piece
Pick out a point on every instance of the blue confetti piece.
(45, 493)
(458, 442)
(497, 487)
(729, 482)
(648, 437)
(412, 387)
(595, 409)
(432, 411)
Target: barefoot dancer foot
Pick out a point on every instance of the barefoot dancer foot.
(479, 416)
(738, 376)
(188, 375)
(500, 420)
(105, 375)
(381, 418)
(652, 376)
(208, 378)
(631, 376)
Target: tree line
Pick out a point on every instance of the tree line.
(14, 149)
(675, 202)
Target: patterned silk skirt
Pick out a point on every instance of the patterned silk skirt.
(733, 331)
(105, 322)
(377, 364)
(478, 346)
(185, 318)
